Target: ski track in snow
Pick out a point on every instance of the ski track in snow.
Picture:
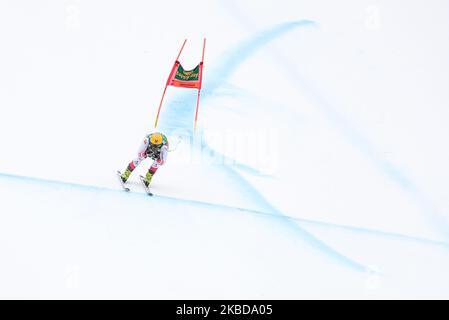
(269, 215)
(349, 130)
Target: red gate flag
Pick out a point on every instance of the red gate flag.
(185, 78)
(179, 77)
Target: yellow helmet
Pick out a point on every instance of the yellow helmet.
(156, 138)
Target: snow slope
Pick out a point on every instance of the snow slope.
(318, 170)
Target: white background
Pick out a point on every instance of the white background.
(331, 115)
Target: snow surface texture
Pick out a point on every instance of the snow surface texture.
(318, 169)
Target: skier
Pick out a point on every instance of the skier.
(154, 146)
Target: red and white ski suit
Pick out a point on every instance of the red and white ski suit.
(142, 154)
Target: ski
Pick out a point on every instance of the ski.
(119, 176)
(147, 189)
